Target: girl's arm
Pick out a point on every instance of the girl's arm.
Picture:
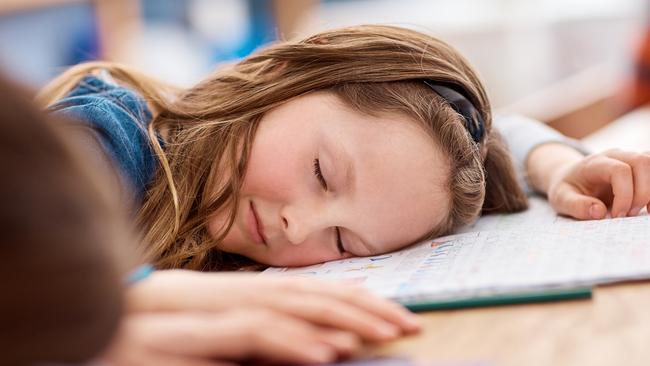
(525, 135)
(225, 338)
(587, 187)
(576, 184)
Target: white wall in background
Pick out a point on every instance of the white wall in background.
(518, 46)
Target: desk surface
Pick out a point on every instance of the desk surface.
(613, 328)
(631, 132)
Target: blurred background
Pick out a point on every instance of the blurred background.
(560, 61)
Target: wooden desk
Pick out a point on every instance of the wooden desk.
(613, 328)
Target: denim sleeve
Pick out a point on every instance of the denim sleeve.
(523, 135)
(119, 117)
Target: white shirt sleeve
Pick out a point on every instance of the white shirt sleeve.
(523, 135)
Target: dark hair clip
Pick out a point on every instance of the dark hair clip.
(462, 105)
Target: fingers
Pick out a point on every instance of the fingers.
(568, 201)
(345, 343)
(344, 307)
(302, 342)
(325, 311)
(616, 177)
(336, 305)
(284, 341)
(244, 334)
(129, 348)
(160, 359)
(619, 174)
(385, 309)
(640, 166)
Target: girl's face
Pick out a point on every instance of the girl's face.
(325, 182)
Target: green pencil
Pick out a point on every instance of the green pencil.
(545, 295)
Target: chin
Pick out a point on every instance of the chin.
(274, 262)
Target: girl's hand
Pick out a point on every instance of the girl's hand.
(202, 338)
(334, 305)
(616, 179)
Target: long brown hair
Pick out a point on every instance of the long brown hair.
(208, 129)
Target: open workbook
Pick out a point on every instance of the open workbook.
(528, 254)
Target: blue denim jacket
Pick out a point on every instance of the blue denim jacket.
(120, 117)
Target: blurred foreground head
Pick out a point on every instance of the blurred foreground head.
(61, 287)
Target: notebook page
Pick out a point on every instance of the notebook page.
(521, 252)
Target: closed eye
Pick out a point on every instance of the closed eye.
(339, 241)
(319, 174)
(321, 179)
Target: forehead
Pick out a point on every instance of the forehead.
(400, 172)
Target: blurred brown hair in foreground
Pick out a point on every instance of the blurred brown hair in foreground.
(61, 286)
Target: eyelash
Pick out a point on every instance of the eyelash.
(339, 242)
(319, 175)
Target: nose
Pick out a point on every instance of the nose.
(299, 223)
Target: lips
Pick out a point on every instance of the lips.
(255, 226)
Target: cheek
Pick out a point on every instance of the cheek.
(273, 169)
(266, 177)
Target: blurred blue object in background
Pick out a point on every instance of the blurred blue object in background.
(233, 28)
(172, 11)
(177, 40)
(35, 44)
(262, 25)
